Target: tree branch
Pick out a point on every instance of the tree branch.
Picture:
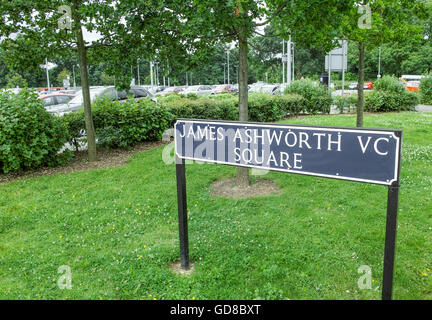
(275, 14)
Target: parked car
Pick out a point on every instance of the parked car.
(273, 89)
(235, 89)
(14, 91)
(198, 90)
(223, 88)
(54, 99)
(353, 86)
(156, 89)
(368, 85)
(413, 86)
(77, 103)
(170, 90)
(256, 87)
(266, 88)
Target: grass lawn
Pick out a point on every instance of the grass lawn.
(117, 230)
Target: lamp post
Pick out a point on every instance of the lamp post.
(283, 61)
(228, 68)
(138, 66)
(47, 74)
(379, 63)
(151, 73)
(73, 71)
(289, 75)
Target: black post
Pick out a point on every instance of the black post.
(182, 213)
(390, 241)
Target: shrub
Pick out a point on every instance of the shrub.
(262, 107)
(203, 108)
(265, 108)
(316, 97)
(389, 96)
(343, 103)
(291, 104)
(426, 90)
(122, 124)
(385, 101)
(389, 84)
(29, 136)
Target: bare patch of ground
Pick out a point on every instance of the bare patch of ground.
(106, 159)
(177, 269)
(229, 189)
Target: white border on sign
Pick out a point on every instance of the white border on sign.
(245, 125)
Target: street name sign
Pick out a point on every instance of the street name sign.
(370, 156)
(363, 155)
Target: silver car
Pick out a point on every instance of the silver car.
(198, 90)
(77, 103)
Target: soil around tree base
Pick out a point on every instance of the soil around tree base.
(228, 189)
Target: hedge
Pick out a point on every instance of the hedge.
(262, 107)
(426, 90)
(384, 101)
(389, 96)
(121, 124)
(29, 136)
(317, 99)
(124, 124)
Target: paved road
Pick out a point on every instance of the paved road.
(423, 108)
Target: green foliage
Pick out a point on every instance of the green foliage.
(203, 108)
(63, 75)
(343, 103)
(389, 84)
(122, 125)
(14, 80)
(106, 79)
(262, 107)
(388, 101)
(316, 97)
(389, 95)
(29, 136)
(268, 108)
(426, 90)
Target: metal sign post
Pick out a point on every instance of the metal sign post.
(182, 213)
(363, 155)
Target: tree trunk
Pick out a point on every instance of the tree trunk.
(82, 58)
(243, 173)
(361, 80)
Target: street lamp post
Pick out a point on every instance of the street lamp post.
(228, 71)
(138, 67)
(73, 71)
(283, 61)
(289, 75)
(47, 74)
(379, 63)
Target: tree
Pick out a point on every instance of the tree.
(210, 21)
(106, 79)
(371, 24)
(54, 28)
(63, 75)
(15, 80)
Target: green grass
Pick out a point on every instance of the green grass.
(117, 230)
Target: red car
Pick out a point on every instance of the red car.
(222, 88)
(170, 90)
(368, 85)
(56, 98)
